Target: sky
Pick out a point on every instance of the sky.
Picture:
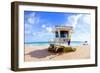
(38, 25)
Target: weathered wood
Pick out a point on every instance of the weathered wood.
(59, 48)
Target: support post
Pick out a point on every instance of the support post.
(59, 35)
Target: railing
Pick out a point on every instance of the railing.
(58, 41)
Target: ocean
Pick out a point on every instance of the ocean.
(73, 43)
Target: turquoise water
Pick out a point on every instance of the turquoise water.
(73, 43)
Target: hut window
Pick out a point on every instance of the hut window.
(63, 34)
(56, 34)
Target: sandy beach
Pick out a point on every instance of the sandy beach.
(40, 53)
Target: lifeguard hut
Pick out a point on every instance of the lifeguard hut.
(62, 37)
(59, 43)
(62, 34)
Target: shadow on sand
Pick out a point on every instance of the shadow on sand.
(40, 53)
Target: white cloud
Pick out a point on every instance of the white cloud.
(81, 24)
(37, 20)
(86, 19)
(43, 26)
(32, 18)
(28, 29)
(72, 20)
(76, 18)
(49, 29)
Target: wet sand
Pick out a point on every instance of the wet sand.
(40, 53)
